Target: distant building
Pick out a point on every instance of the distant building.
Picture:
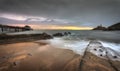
(6, 28)
(27, 28)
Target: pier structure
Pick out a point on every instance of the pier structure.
(6, 28)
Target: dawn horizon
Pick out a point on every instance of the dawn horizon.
(82, 14)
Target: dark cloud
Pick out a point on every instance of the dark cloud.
(90, 12)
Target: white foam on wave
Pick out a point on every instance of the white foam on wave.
(77, 46)
(114, 46)
(25, 32)
(113, 49)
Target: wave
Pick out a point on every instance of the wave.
(79, 45)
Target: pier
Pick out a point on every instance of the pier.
(6, 28)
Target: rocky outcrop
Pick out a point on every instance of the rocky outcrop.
(61, 34)
(100, 28)
(5, 39)
(97, 58)
(114, 27)
(67, 33)
(58, 34)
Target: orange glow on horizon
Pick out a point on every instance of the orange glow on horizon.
(54, 27)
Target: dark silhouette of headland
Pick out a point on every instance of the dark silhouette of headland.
(114, 27)
(100, 28)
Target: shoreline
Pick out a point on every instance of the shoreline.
(8, 39)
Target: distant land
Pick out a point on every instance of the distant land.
(114, 27)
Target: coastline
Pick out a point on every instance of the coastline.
(41, 52)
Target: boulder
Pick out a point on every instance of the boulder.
(58, 35)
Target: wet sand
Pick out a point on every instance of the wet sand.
(32, 56)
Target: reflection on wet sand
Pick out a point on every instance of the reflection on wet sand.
(36, 56)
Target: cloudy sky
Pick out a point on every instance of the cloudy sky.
(60, 13)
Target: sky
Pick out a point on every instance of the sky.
(60, 14)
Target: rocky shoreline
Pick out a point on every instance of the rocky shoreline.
(98, 58)
(7, 39)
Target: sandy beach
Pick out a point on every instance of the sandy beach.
(42, 56)
(32, 56)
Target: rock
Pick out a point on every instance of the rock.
(106, 52)
(58, 35)
(67, 33)
(100, 50)
(3, 57)
(101, 55)
(114, 56)
(5, 39)
(14, 63)
(46, 36)
(95, 49)
(29, 54)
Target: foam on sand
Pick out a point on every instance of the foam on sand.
(77, 46)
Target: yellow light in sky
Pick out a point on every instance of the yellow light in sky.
(76, 28)
(58, 27)
(54, 27)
